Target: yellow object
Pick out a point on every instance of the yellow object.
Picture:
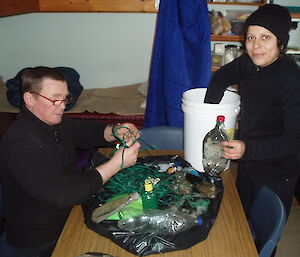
(230, 133)
(148, 187)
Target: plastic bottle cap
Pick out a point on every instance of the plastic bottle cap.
(148, 187)
(199, 221)
(221, 118)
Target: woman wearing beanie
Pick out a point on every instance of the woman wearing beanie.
(269, 140)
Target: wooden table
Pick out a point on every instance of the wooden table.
(230, 236)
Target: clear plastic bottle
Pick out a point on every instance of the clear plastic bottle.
(149, 197)
(213, 162)
(159, 222)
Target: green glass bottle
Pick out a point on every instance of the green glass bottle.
(149, 197)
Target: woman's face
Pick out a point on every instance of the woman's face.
(261, 45)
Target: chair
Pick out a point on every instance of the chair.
(162, 137)
(5, 249)
(267, 218)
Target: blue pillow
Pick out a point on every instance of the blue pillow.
(14, 93)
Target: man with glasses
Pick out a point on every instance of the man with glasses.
(38, 175)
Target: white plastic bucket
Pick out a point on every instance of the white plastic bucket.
(199, 118)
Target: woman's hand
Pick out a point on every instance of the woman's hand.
(234, 149)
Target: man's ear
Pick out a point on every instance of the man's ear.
(28, 99)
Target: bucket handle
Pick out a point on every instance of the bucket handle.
(232, 91)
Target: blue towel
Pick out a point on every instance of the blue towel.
(181, 59)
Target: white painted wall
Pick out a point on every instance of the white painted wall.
(107, 49)
(294, 34)
(287, 2)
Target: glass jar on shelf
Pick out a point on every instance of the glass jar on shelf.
(231, 52)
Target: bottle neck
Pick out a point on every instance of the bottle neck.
(220, 124)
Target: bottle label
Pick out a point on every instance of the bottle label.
(230, 133)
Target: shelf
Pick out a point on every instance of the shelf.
(233, 38)
(226, 3)
(295, 16)
(214, 68)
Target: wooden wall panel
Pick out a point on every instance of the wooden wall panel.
(12, 7)
(97, 6)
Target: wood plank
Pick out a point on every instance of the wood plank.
(12, 7)
(215, 68)
(295, 16)
(237, 3)
(97, 6)
(233, 38)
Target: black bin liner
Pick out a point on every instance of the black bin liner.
(143, 244)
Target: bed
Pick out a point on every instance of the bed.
(108, 105)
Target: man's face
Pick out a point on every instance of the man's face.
(43, 108)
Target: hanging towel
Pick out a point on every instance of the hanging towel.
(181, 59)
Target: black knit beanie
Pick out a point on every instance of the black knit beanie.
(273, 17)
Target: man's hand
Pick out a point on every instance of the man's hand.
(129, 158)
(130, 154)
(124, 132)
(234, 149)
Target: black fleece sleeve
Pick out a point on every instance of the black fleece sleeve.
(84, 133)
(229, 74)
(37, 170)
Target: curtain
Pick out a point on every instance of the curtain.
(181, 59)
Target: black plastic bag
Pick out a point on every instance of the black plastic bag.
(143, 244)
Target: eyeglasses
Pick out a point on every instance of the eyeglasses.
(56, 102)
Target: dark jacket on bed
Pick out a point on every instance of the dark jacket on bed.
(270, 113)
(39, 177)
